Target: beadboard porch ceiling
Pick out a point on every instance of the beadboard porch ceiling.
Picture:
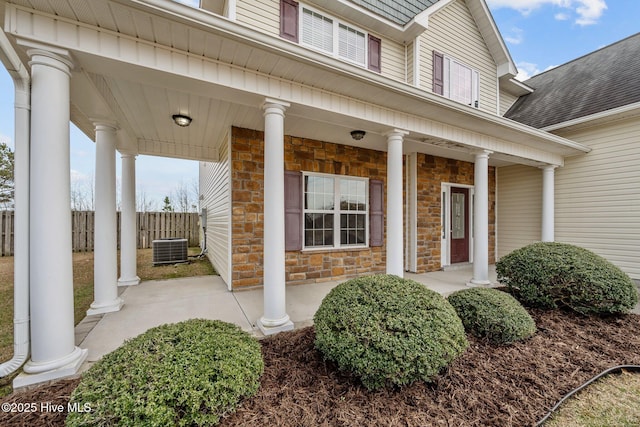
(137, 63)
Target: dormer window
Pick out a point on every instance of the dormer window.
(455, 80)
(317, 30)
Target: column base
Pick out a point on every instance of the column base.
(108, 307)
(129, 282)
(476, 283)
(41, 373)
(270, 327)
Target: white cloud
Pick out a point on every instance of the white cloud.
(515, 36)
(588, 11)
(526, 70)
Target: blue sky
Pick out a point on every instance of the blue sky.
(539, 34)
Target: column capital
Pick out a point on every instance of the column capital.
(272, 105)
(482, 154)
(548, 167)
(397, 133)
(127, 154)
(51, 56)
(104, 124)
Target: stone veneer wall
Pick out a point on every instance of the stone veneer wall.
(432, 172)
(247, 194)
(247, 168)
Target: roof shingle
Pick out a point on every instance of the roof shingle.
(605, 79)
(400, 12)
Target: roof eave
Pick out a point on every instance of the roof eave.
(626, 111)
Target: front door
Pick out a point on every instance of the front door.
(459, 225)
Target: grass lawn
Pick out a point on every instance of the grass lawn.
(611, 401)
(83, 290)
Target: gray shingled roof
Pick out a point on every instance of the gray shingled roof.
(605, 79)
(400, 12)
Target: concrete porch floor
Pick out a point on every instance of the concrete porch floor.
(153, 303)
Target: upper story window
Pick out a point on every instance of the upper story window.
(455, 80)
(309, 27)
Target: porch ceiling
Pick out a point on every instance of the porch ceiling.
(137, 63)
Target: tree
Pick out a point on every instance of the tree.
(82, 193)
(143, 203)
(186, 196)
(167, 205)
(7, 165)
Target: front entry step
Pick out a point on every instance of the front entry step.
(457, 266)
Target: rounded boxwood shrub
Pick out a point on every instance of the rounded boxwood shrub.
(492, 314)
(388, 331)
(183, 374)
(551, 275)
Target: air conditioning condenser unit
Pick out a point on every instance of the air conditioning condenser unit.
(169, 251)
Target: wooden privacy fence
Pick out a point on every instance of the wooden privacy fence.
(150, 226)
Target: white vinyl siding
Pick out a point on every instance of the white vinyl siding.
(410, 64)
(598, 194)
(506, 101)
(215, 186)
(393, 60)
(453, 32)
(519, 207)
(597, 197)
(262, 15)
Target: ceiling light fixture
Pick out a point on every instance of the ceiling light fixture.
(181, 120)
(357, 134)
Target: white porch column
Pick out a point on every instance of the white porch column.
(128, 246)
(481, 220)
(105, 270)
(275, 318)
(22, 119)
(53, 350)
(548, 190)
(395, 229)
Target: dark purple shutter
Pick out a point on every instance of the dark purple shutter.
(376, 212)
(292, 211)
(375, 63)
(438, 73)
(289, 20)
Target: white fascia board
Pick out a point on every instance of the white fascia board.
(619, 113)
(514, 87)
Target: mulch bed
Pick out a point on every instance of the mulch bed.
(488, 386)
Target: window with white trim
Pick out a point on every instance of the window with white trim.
(456, 80)
(332, 36)
(315, 29)
(460, 82)
(335, 211)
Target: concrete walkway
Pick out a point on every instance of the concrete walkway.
(156, 302)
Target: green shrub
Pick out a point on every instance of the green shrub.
(492, 314)
(183, 374)
(388, 331)
(551, 275)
